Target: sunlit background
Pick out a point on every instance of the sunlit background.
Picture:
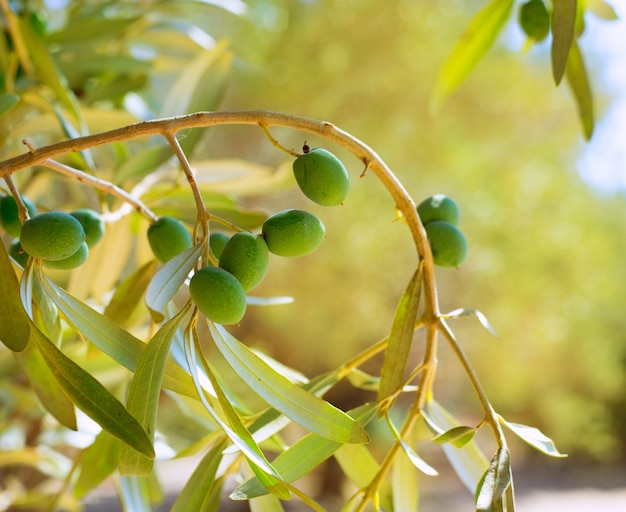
(543, 210)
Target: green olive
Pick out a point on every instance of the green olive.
(73, 261)
(322, 177)
(217, 242)
(218, 295)
(168, 237)
(52, 236)
(9, 217)
(92, 224)
(534, 19)
(447, 243)
(438, 207)
(246, 257)
(293, 233)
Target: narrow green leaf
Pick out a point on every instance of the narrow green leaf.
(468, 462)
(458, 436)
(92, 397)
(534, 437)
(265, 472)
(14, 322)
(497, 479)
(302, 407)
(130, 293)
(196, 494)
(98, 461)
(118, 343)
(563, 29)
(169, 278)
(400, 338)
(477, 39)
(577, 77)
(144, 391)
(302, 457)
(44, 384)
(415, 459)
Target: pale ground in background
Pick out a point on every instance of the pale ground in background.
(570, 490)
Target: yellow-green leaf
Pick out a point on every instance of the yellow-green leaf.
(400, 338)
(118, 343)
(563, 29)
(45, 385)
(535, 438)
(302, 407)
(477, 39)
(577, 78)
(14, 322)
(302, 457)
(144, 391)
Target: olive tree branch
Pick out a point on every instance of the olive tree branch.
(404, 202)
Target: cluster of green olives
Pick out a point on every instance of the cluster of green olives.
(440, 216)
(219, 291)
(61, 240)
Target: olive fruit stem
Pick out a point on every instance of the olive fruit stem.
(277, 144)
(22, 211)
(190, 175)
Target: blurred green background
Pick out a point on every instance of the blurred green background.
(546, 261)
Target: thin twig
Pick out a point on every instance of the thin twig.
(100, 184)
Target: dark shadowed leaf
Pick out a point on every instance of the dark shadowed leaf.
(14, 322)
(92, 397)
(563, 28)
(45, 385)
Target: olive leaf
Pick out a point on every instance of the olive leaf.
(92, 397)
(563, 32)
(302, 407)
(400, 338)
(144, 390)
(14, 322)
